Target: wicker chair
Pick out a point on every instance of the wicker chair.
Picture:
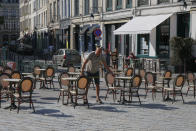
(165, 78)
(7, 70)
(81, 90)
(142, 73)
(24, 94)
(71, 69)
(191, 82)
(150, 84)
(37, 76)
(49, 75)
(135, 85)
(110, 82)
(16, 75)
(129, 72)
(1, 68)
(5, 91)
(177, 87)
(64, 87)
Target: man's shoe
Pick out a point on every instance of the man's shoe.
(85, 102)
(99, 101)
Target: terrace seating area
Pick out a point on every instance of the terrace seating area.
(124, 84)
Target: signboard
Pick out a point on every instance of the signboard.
(97, 32)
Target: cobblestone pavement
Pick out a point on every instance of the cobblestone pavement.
(52, 116)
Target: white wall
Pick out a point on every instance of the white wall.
(173, 29)
(193, 28)
(152, 44)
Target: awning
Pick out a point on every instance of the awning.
(141, 24)
(92, 29)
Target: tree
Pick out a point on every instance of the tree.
(182, 51)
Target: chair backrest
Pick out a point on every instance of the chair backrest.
(129, 72)
(114, 56)
(26, 85)
(179, 81)
(109, 78)
(82, 82)
(142, 73)
(149, 78)
(1, 68)
(136, 81)
(71, 69)
(16, 75)
(167, 74)
(63, 82)
(190, 77)
(7, 70)
(4, 84)
(49, 72)
(36, 70)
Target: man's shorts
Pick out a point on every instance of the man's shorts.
(94, 76)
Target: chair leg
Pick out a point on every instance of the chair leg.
(18, 106)
(187, 91)
(68, 95)
(59, 97)
(194, 91)
(63, 98)
(182, 96)
(0, 100)
(113, 95)
(138, 98)
(174, 94)
(32, 106)
(146, 93)
(106, 94)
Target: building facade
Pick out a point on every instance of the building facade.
(112, 14)
(9, 21)
(81, 24)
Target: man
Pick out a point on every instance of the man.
(92, 64)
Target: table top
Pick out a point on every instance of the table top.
(41, 69)
(74, 73)
(124, 77)
(26, 73)
(12, 80)
(70, 78)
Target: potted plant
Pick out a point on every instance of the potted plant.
(182, 52)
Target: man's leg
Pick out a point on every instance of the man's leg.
(97, 92)
(96, 78)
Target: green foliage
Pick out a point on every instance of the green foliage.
(182, 50)
(1, 20)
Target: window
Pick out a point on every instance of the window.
(183, 25)
(143, 44)
(143, 2)
(163, 1)
(109, 5)
(86, 8)
(163, 36)
(118, 4)
(58, 10)
(76, 8)
(129, 4)
(51, 13)
(65, 8)
(95, 6)
(54, 11)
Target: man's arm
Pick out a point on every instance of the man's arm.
(83, 66)
(106, 66)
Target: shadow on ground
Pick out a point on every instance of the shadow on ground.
(51, 113)
(49, 98)
(105, 108)
(154, 106)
